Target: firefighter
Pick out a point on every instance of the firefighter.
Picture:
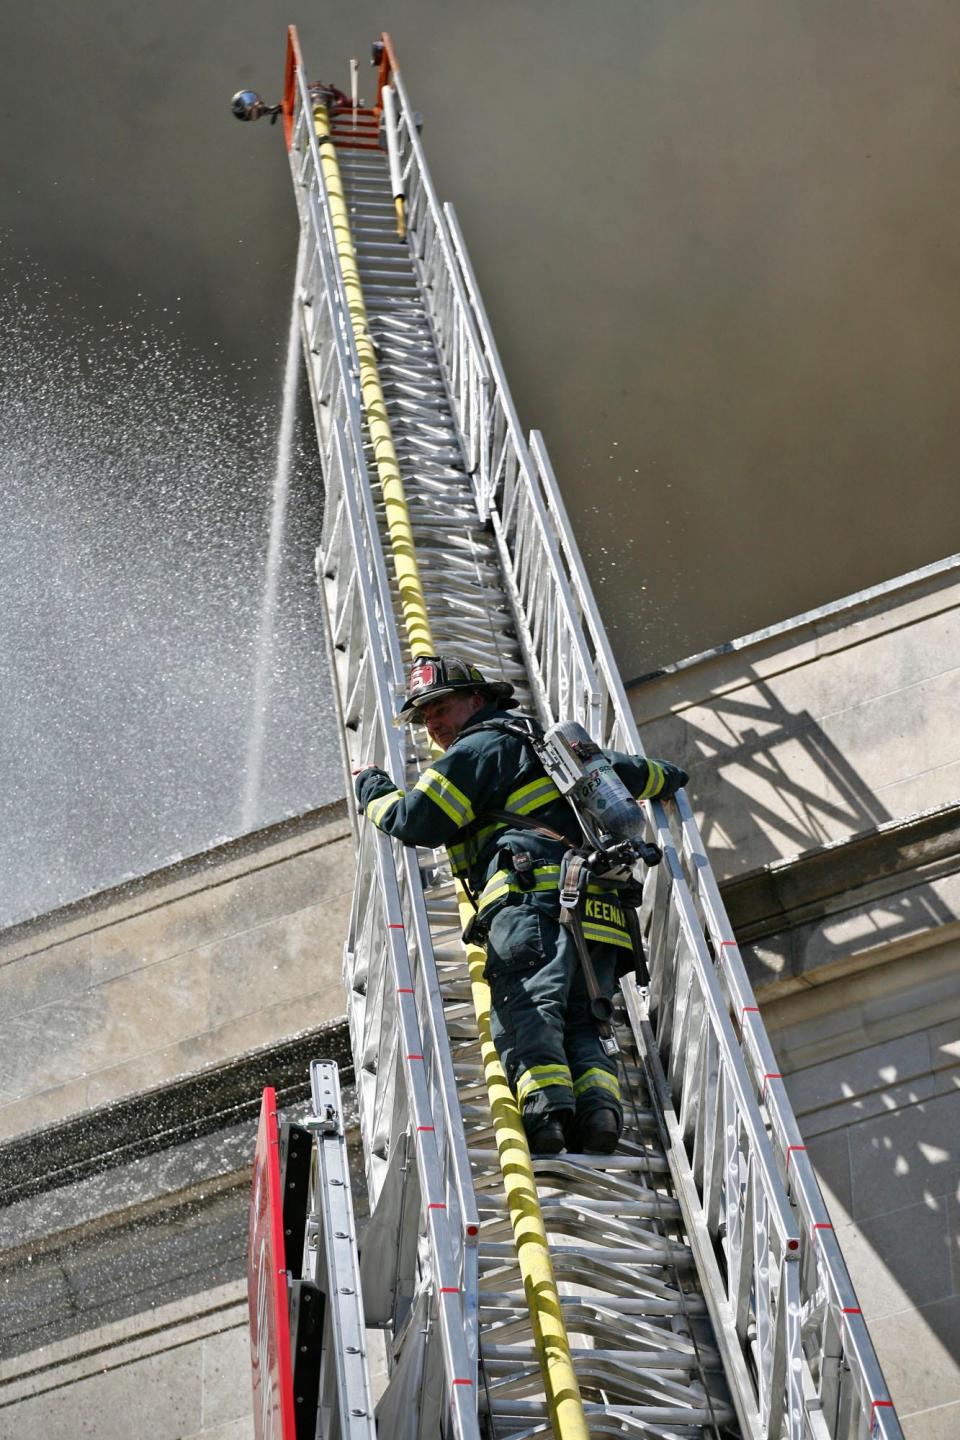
(547, 1039)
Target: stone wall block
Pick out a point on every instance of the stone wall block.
(152, 1008)
(43, 1107)
(903, 734)
(823, 730)
(908, 1156)
(944, 1043)
(235, 1037)
(830, 1156)
(919, 1347)
(276, 962)
(157, 1398)
(859, 1072)
(912, 1247)
(227, 1387)
(43, 1047)
(268, 889)
(39, 979)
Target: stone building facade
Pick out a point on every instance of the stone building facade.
(138, 1028)
(824, 757)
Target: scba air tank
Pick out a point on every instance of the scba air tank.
(592, 783)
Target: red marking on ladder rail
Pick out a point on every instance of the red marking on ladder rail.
(393, 925)
(851, 1310)
(404, 990)
(793, 1147)
(424, 1127)
(470, 1382)
(437, 1205)
(820, 1225)
(751, 1009)
(414, 1057)
(449, 1289)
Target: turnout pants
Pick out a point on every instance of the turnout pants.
(545, 1035)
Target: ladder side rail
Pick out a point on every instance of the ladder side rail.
(378, 623)
(844, 1344)
(503, 477)
(461, 1197)
(731, 1165)
(699, 1212)
(331, 1236)
(310, 178)
(369, 559)
(560, 684)
(386, 752)
(396, 1104)
(563, 666)
(541, 558)
(445, 1268)
(826, 1283)
(455, 327)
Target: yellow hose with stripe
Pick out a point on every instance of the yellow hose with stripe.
(540, 1286)
(385, 456)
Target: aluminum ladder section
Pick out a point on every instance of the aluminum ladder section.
(785, 1317)
(667, 1337)
(644, 1336)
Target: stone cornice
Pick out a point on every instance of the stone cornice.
(819, 882)
(889, 890)
(199, 1104)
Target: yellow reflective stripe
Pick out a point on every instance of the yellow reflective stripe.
(379, 807)
(654, 780)
(444, 793)
(541, 1077)
(606, 934)
(596, 1078)
(488, 896)
(532, 796)
(504, 882)
(457, 855)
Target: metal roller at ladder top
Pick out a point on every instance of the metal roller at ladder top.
(689, 1284)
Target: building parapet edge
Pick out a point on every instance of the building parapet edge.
(949, 566)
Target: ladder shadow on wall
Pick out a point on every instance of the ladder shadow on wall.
(872, 1076)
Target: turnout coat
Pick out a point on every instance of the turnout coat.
(489, 769)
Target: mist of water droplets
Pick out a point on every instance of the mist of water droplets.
(135, 494)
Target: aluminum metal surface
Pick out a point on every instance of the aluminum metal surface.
(330, 1260)
(504, 580)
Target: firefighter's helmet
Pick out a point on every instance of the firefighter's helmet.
(432, 676)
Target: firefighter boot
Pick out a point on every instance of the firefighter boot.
(596, 1133)
(547, 1136)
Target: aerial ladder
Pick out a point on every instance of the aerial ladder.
(691, 1283)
